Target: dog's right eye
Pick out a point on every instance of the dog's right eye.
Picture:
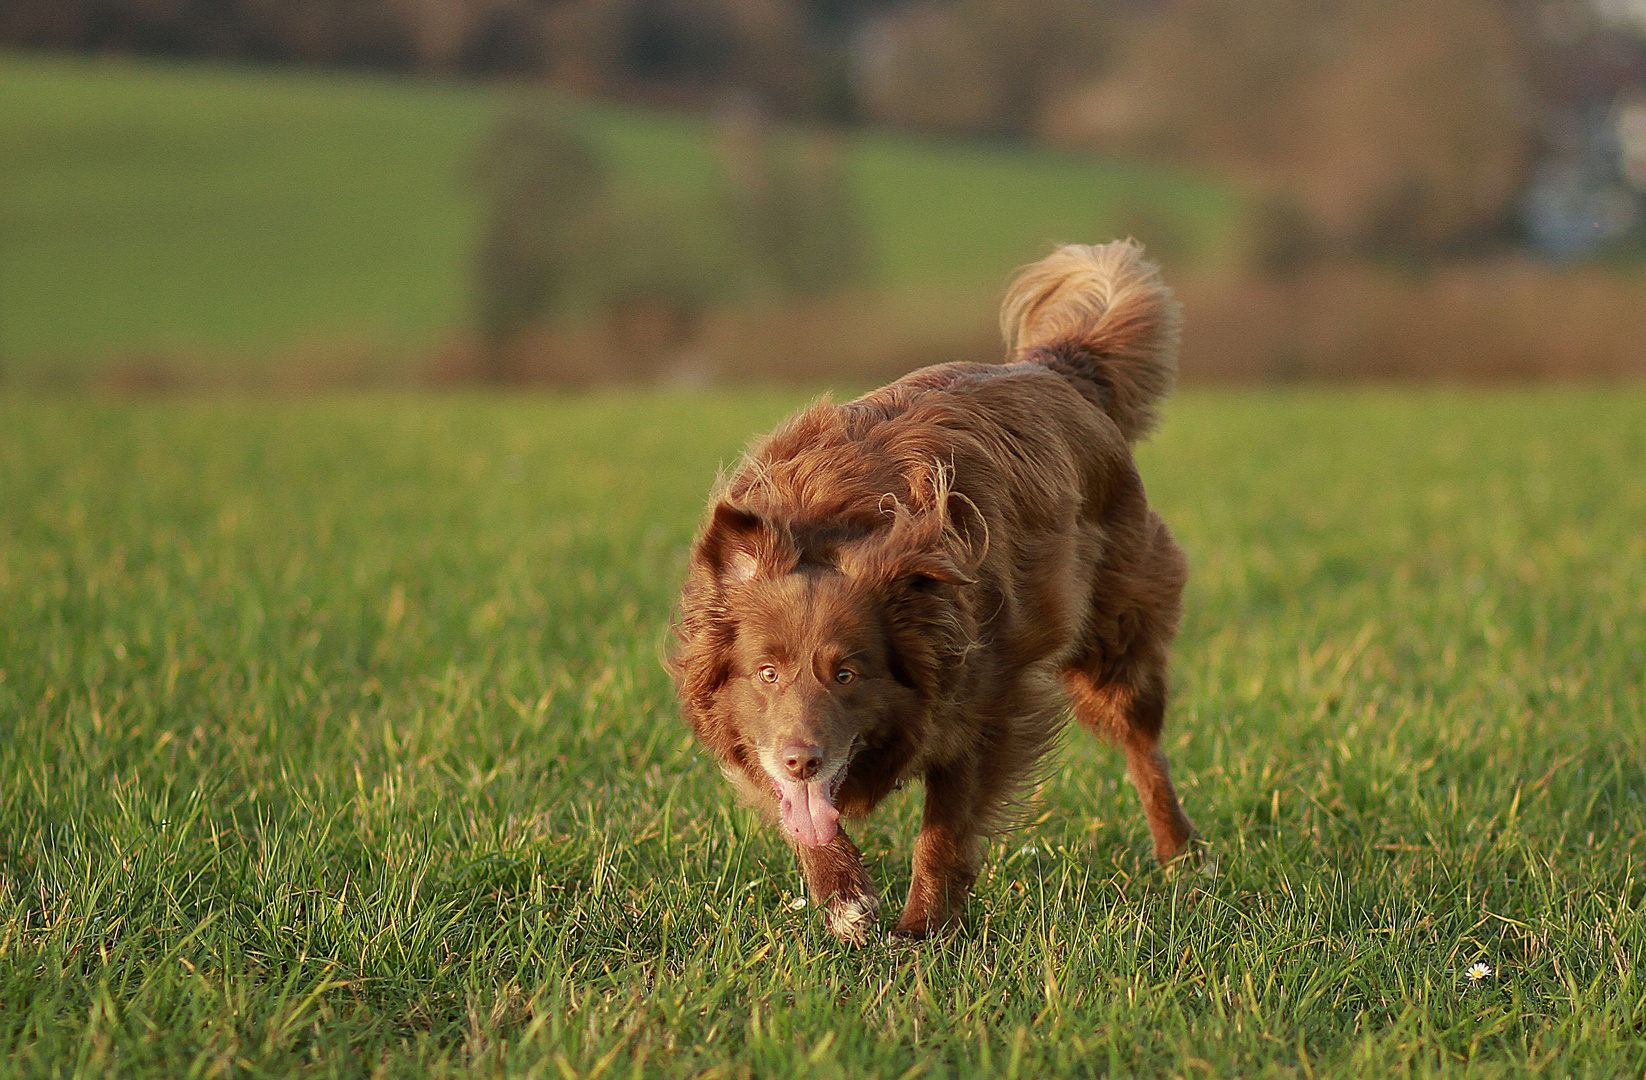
(768, 674)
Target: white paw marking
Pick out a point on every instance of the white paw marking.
(850, 918)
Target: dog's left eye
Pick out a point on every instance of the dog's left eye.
(844, 676)
(768, 673)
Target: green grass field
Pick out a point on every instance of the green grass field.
(229, 215)
(333, 742)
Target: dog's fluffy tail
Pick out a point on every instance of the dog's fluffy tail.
(1100, 316)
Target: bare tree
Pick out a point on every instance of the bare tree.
(1394, 127)
(791, 203)
(543, 181)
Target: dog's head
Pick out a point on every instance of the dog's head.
(805, 642)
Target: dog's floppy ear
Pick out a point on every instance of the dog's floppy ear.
(728, 550)
(733, 542)
(941, 545)
(927, 570)
(952, 540)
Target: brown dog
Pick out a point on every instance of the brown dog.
(922, 582)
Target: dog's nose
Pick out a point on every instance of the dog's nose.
(803, 761)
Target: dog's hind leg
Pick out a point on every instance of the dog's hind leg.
(1129, 708)
(839, 884)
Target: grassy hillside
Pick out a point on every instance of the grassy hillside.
(192, 210)
(334, 743)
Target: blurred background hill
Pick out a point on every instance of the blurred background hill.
(326, 192)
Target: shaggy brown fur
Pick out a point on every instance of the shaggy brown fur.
(922, 582)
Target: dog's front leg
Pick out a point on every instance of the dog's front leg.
(945, 855)
(839, 884)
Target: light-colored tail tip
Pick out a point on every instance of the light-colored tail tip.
(1068, 293)
(1104, 310)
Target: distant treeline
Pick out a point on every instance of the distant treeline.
(780, 49)
(970, 64)
(1405, 129)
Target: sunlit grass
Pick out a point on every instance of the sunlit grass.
(333, 741)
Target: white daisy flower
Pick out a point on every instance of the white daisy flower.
(797, 903)
(1477, 971)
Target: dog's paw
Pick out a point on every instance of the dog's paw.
(850, 918)
(1193, 871)
(1195, 857)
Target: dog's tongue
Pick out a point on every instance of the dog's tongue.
(807, 812)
